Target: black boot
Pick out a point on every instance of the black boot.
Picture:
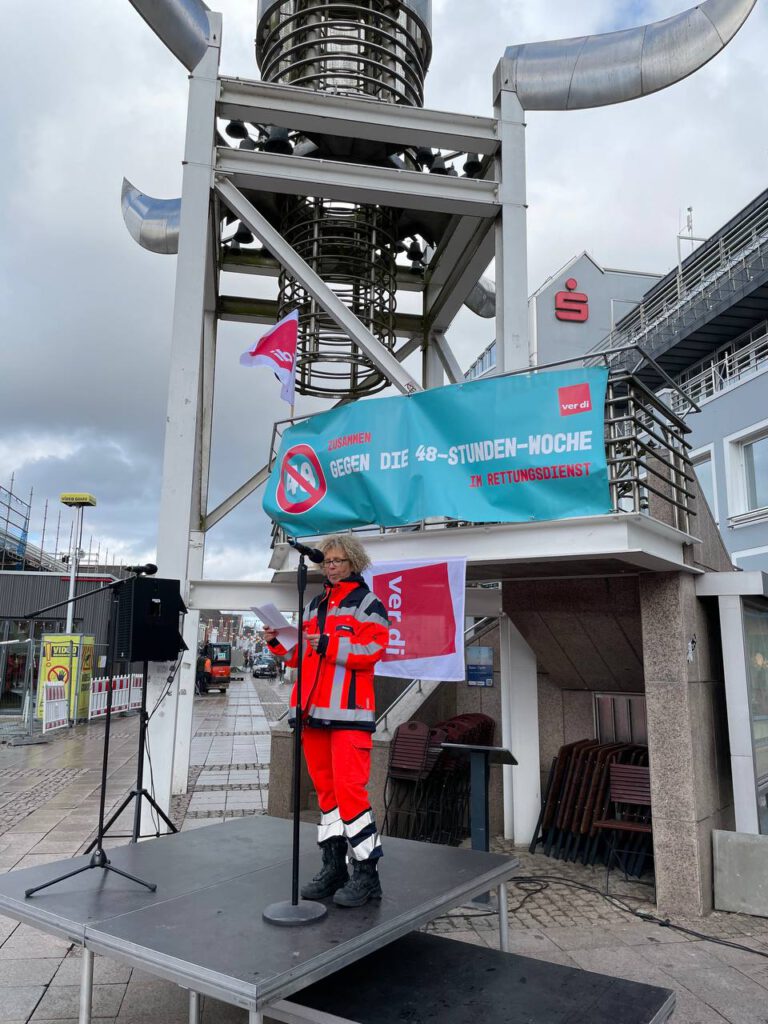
(333, 874)
(364, 885)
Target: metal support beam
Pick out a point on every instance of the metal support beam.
(432, 373)
(86, 987)
(461, 258)
(447, 358)
(357, 183)
(242, 309)
(194, 1007)
(253, 261)
(380, 356)
(512, 348)
(226, 506)
(243, 594)
(349, 117)
(179, 547)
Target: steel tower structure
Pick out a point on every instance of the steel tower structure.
(329, 176)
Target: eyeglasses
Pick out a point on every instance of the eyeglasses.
(334, 561)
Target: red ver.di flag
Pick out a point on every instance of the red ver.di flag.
(277, 350)
(425, 606)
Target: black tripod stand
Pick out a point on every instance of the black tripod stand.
(296, 911)
(139, 791)
(99, 857)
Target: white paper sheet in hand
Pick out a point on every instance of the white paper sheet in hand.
(269, 614)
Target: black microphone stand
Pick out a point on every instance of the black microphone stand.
(99, 857)
(296, 911)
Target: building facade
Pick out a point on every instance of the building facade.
(574, 310)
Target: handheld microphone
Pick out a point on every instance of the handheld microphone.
(142, 570)
(313, 554)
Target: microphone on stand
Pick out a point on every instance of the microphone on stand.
(313, 554)
(142, 570)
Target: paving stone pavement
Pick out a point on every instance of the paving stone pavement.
(48, 809)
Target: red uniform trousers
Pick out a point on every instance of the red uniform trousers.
(339, 764)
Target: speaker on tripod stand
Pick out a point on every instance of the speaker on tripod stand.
(144, 625)
(148, 611)
(147, 628)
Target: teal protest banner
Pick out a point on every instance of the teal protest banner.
(506, 449)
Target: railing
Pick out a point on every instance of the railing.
(727, 366)
(646, 452)
(717, 262)
(472, 634)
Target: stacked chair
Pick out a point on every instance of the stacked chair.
(596, 793)
(427, 790)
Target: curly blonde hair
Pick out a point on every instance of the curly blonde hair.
(352, 548)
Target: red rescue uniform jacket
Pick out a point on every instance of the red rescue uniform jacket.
(337, 679)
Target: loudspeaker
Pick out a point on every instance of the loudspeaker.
(147, 628)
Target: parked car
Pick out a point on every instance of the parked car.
(264, 667)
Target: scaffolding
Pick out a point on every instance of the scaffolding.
(14, 528)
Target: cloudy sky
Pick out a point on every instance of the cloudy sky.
(89, 95)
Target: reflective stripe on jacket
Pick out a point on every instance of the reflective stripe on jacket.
(337, 679)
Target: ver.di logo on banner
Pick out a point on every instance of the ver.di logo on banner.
(574, 399)
(302, 484)
(424, 601)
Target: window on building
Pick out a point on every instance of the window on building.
(756, 634)
(746, 456)
(755, 455)
(705, 474)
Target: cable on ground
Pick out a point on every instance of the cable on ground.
(543, 882)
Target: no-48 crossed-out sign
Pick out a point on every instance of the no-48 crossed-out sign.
(302, 484)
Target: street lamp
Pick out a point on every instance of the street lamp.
(78, 501)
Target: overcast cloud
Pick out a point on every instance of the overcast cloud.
(90, 95)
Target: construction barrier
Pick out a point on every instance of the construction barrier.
(126, 694)
(55, 706)
(136, 691)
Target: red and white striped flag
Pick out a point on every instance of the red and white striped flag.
(277, 350)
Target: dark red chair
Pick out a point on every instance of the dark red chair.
(630, 796)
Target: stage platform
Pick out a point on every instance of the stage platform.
(203, 929)
(421, 979)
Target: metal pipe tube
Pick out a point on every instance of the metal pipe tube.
(593, 71)
(86, 988)
(503, 918)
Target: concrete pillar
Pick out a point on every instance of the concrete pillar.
(739, 721)
(519, 733)
(689, 791)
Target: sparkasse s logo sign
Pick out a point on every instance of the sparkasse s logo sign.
(574, 399)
